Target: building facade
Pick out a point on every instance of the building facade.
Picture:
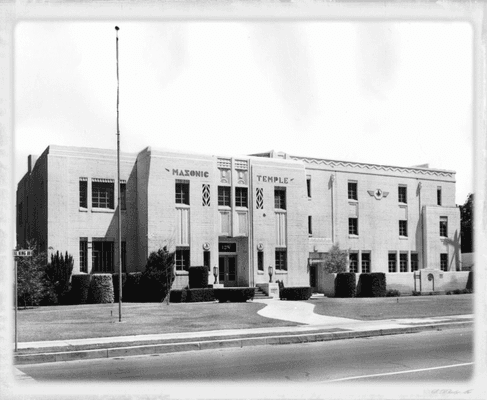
(241, 215)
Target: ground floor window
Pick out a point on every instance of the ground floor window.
(207, 260)
(83, 255)
(403, 262)
(414, 262)
(281, 260)
(182, 259)
(353, 257)
(124, 257)
(260, 261)
(102, 256)
(392, 262)
(444, 261)
(365, 263)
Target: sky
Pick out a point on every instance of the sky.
(395, 93)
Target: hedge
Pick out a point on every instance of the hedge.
(234, 294)
(470, 281)
(198, 277)
(345, 284)
(116, 286)
(101, 289)
(177, 296)
(132, 290)
(295, 293)
(80, 287)
(199, 295)
(372, 285)
(154, 286)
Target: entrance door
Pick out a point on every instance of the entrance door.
(227, 267)
(312, 277)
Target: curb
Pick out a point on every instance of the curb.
(163, 348)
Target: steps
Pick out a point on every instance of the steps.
(260, 294)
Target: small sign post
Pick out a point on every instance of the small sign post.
(18, 253)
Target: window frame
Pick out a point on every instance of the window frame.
(353, 263)
(83, 254)
(443, 227)
(224, 196)
(260, 261)
(182, 193)
(352, 190)
(280, 198)
(444, 262)
(403, 228)
(280, 259)
(308, 186)
(107, 257)
(241, 197)
(439, 199)
(402, 194)
(182, 258)
(123, 196)
(366, 262)
(353, 226)
(414, 262)
(392, 262)
(310, 225)
(403, 258)
(98, 189)
(83, 193)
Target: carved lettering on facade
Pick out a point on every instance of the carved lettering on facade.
(190, 173)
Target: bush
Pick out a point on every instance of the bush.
(132, 289)
(234, 294)
(372, 284)
(393, 293)
(345, 284)
(80, 287)
(470, 282)
(177, 296)
(198, 277)
(199, 295)
(295, 293)
(58, 275)
(116, 286)
(416, 293)
(101, 289)
(32, 287)
(158, 276)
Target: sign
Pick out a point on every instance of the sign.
(274, 179)
(22, 253)
(190, 173)
(227, 247)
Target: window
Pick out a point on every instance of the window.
(102, 195)
(280, 198)
(414, 262)
(83, 193)
(241, 197)
(403, 228)
(182, 259)
(83, 254)
(352, 191)
(123, 194)
(182, 192)
(444, 226)
(224, 196)
(438, 196)
(281, 260)
(403, 262)
(308, 185)
(207, 260)
(310, 225)
(365, 263)
(102, 256)
(444, 261)
(353, 258)
(402, 194)
(124, 256)
(392, 261)
(260, 261)
(353, 226)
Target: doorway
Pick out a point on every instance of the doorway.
(227, 270)
(312, 278)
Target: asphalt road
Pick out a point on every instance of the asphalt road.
(431, 356)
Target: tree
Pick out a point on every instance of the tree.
(31, 288)
(466, 224)
(158, 276)
(58, 275)
(335, 260)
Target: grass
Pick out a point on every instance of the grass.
(395, 307)
(101, 320)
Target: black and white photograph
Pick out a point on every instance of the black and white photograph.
(244, 201)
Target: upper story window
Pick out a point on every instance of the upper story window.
(308, 185)
(310, 225)
(224, 196)
(280, 198)
(352, 191)
(402, 194)
(182, 191)
(353, 226)
(83, 192)
(444, 226)
(438, 195)
(281, 260)
(241, 197)
(123, 196)
(403, 228)
(102, 193)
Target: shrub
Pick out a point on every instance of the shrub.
(295, 293)
(234, 294)
(470, 282)
(372, 284)
(345, 284)
(58, 275)
(416, 293)
(158, 275)
(80, 287)
(198, 277)
(177, 296)
(132, 289)
(101, 289)
(199, 295)
(393, 293)
(31, 282)
(116, 286)
(335, 260)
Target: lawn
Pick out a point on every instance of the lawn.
(395, 307)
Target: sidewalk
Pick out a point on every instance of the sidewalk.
(316, 328)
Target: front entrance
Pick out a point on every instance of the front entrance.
(227, 269)
(312, 278)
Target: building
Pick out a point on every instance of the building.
(240, 214)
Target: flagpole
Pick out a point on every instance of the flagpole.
(119, 198)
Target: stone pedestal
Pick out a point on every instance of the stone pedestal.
(271, 289)
(216, 285)
(431, 280)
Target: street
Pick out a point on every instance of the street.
(433, 356)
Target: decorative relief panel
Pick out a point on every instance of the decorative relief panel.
(241, 166)
(225, 176)
(206, 195)
(259, 198)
